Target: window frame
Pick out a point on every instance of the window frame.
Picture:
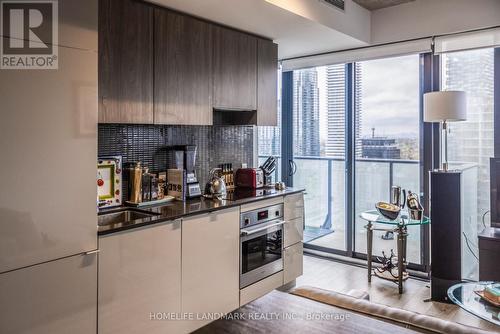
(429, 80)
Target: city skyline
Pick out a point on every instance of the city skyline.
(391, 109)
(472, 141)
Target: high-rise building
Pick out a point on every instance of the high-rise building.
(379, 147)
(269, 140)
(306, 134)
(336, 99)
(472, 141)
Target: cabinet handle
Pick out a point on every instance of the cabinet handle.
(250, 232)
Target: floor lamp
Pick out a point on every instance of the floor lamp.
(444, 107)
(446, 193)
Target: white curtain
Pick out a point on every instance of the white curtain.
(360, 54)
(467, 41)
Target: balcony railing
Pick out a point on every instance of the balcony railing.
(324, 180)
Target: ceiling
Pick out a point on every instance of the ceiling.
(378, 4)
(296, 35)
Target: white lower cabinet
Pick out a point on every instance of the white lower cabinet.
(55, 297)
(292, 262)
(210, 264)
(293, 231)
(294, 206)
(140, 280)
(260, 288)
(293, 236)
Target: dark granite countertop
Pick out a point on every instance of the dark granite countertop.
(177, 209)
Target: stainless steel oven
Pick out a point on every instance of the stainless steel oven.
(261, 244)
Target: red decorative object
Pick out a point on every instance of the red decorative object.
(100, 182)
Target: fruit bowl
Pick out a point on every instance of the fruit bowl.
(388, 210)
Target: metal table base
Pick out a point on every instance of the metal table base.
(402, 234)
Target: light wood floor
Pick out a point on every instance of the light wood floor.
(328, 274)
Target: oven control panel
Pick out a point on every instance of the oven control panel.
(262, 215)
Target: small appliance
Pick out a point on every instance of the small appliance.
(249, 178)
(109, 181)
(261, 244)
(216, 186)
(184, 157)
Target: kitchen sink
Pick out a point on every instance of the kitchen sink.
(123, 216)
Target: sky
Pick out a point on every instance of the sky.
(390, 97)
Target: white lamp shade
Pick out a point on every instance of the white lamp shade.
(447, 106)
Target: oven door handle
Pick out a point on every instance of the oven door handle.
(245, 232)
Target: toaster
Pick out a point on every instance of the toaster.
(249, 178)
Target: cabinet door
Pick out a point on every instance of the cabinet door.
(293, 231)
(41, 221)
(294, 206)
(210, 263)
(292, 262)
(267, 83)
(53, 297)
(235, 70)
(183, 70)
(125, 62)
(139, 276)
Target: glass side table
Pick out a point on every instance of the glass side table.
(464, 296)
(398, 226)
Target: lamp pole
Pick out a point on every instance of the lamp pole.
(444, 165)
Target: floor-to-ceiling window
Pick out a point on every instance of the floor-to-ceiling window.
(470, 143)
(318, 152)
(387, 142)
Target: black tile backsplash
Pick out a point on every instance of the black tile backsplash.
(148, 144)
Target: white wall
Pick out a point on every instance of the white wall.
(423, 18)
(354, 21)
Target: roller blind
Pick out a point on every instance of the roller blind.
(467, 41)
(367, 53)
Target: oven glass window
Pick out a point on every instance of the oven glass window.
(260, 250)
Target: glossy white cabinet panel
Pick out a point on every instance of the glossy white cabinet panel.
(293, 262)
(260, 288)
(210, 263)
(294, 206)
(140, 276)
(48, 145)
(293, 231)
(56, 297)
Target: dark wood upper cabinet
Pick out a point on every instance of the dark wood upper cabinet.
(267, 83)
(183, 69)
(157, 66)
(235, 70)
(125, 62)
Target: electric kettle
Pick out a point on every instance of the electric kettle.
(215, 187)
